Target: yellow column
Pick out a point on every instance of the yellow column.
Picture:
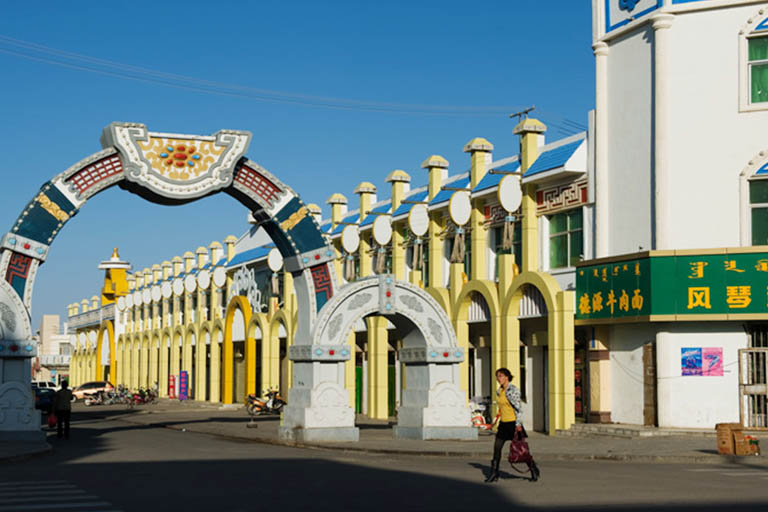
(565, 408)
(400, 181)
(367, 192)
(480, 150)
(215, 376)
(153, 363)
(338, 209)
(162, 376)
(456, 281)
(144, 362)
(530, 131)
(378, 346)
(350, 382)
(438, 171)
(201, 378)
(135, 361)
(227, 375)
(507, 353)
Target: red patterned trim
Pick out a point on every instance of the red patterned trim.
(18, 266)
(561, 197)
(258, 184)
(96, 172)
(321, 278)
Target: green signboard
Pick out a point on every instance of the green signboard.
(673, 284)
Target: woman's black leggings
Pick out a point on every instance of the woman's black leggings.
(498, 444)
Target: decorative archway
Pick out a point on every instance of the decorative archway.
(433, 405)
(168, 169)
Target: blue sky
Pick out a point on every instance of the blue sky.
(432, 59)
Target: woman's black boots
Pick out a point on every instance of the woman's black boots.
(494, 474)
(534, 471)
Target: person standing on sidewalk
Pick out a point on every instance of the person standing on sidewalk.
(62, 407)
(510, 423)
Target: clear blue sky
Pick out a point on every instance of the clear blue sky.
(426, 56)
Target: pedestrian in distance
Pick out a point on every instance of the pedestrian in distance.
(510, 423)
(62, 406)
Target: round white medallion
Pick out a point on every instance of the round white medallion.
(510, 194)
(166, 289)
(382, 229)
(178, 286)
(418, 219)
(129, 300)
(275, 260)
(219, 277)
(146, 296)
(190, 283)
(121, 303)
(204, 279)
(460, 207)
(156, 293)
(137, 298)
(350, 239)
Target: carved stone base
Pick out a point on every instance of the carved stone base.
(327, 435)
(23, 435)
(19, 420)
(445, 433)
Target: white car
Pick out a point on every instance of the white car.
(44, 384)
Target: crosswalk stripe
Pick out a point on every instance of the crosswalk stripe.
(31, 482)
(49, 506)
(744, 473)
(50, 498)
(36, 487)
(31, 492)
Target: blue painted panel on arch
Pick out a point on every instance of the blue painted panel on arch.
(620, 12)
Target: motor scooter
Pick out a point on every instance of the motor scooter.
(272, 404)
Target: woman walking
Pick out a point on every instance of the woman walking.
(510, 423)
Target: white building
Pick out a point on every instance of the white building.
(680, 160)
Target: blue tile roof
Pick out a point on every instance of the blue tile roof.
(406, 207)
(349, 219)
(250, 255)
(445, 195)
(553, 158)
(368, 221)
(492, 180)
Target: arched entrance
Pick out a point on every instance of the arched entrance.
(433, 405)
(169, 169)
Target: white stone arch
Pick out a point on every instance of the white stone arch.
(433, 405)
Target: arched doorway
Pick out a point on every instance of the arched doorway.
(217, 337)
(233, 357)
(433, 405)
(163, 364)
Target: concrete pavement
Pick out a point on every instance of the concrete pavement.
(231, 422)
(376, 437)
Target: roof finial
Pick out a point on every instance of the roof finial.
(115, 256)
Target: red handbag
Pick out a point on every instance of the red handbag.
(51, 420)
(519, 450)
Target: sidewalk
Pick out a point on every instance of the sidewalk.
(376, 437)
(13, 451)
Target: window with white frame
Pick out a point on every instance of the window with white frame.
(566, 238)
(757, 63)
(758, 211)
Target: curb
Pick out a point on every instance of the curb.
(19, 457)
(545, 457)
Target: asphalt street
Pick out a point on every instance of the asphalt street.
(113, 465)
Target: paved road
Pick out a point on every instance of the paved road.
(113, 465)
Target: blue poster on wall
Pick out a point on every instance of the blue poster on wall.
(183, 385)
(690, 361)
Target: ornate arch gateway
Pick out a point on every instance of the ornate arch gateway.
(433, 406)
(174, 169)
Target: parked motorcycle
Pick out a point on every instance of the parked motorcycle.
(272, 403)
(94, 399)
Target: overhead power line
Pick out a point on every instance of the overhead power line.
(86, 63)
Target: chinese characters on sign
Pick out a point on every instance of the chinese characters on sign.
(690, 284)
(706, 362)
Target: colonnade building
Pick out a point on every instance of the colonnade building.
(226, 318)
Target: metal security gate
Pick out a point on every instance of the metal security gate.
(753, 387)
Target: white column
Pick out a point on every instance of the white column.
(602, 208)
(661, 25)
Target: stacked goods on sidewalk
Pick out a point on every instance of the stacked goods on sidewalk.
(732, 441)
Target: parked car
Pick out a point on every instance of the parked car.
(91, 388)
(45, 384)
(44, 399)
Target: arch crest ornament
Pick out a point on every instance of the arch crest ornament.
(432, 407)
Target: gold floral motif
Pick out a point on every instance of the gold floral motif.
(294, 219)
(52, 207)
(181, 159)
